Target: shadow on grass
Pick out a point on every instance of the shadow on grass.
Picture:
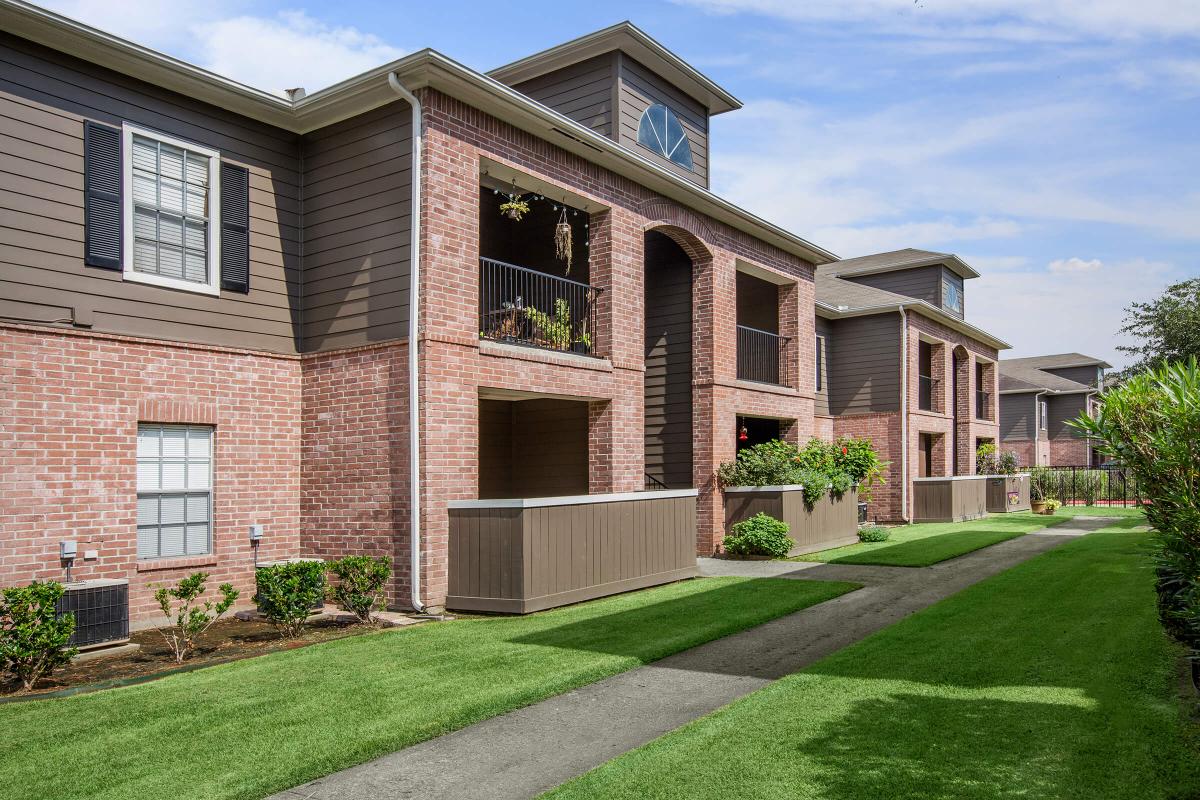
(923, 746)
(682, 622)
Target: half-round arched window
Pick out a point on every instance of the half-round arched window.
(661, 131)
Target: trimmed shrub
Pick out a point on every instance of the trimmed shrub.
(874, 533)
(33, 638)
(287, 593)
(761, 535)
(190, 620)
(361, 581)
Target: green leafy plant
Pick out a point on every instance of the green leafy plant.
(361, 582)
(33, 638)
(874, 533)
(761, 535)
(839, 484)
(553, 330)
(770, 463)
(190, 617)
(815, 485)
(1150, 424)
(514, 208)
(858, 459)
(985, 459)
(286, 594)
(1007, 463)
(1052, 505)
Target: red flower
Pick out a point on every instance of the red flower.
(845, 451)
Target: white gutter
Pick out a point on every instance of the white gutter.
(414, 307)
(904, 413)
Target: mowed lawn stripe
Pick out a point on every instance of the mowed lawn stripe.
(1050, 680)
(250, 728)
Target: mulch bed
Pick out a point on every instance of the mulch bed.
(227, 640)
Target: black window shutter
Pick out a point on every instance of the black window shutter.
(235, 228)
(101, 196)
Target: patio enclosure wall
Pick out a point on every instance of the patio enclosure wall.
(831, 522)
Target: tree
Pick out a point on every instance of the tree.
(1168, 328)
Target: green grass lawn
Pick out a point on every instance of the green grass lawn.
(930, 542)
(1050, 680)
(250, 728)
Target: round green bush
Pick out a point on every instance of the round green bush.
(761, 535)
(873, 533)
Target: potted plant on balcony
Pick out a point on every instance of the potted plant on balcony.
(552, 331)
(514, 208)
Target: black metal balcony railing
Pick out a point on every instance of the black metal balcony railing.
(524, 306)
(925, 385)
(982, 405)
(762, 356)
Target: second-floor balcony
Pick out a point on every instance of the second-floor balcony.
(926, 392)
(524, 306)
(983, 402)
(762, 356)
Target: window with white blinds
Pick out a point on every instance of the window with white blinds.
(174, 490)
(171, 211)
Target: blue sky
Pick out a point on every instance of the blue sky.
(1050, 143)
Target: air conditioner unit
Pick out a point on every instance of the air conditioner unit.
(101, 609)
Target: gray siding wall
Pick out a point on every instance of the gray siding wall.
(1017, 417)
(864, 364)
(639, 88)
(357, 229)
(923, 283)
(668, 377)
(44, 99)
(824, 329)
(1088, 376)
(585, 92)
(1061, 408)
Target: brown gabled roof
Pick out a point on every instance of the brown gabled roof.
(1030, 375)
(908, 258)
(630, 39)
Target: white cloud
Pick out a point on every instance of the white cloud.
(292, 49)
(1074, 265)
(1042, 312)
(274, 53)
(861, 240)
(1014, 20)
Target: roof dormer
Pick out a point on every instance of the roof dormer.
(624, 85)
(936, 278)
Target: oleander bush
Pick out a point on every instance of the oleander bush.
(819, 466)
(761, 535)
(1150, 424)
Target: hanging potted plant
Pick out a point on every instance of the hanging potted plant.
(563, 243)
(516, 206)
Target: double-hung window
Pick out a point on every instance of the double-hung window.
(172, 225)
(174, 490)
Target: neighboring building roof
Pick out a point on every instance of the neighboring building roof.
(838, 298)
(371, 90)
(909, 258)
(1030, 375)
(629, 38)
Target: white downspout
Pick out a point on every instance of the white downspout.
(414, 306)
(904, 442)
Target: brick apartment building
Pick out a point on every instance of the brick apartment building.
(338, 315)
(1038, 396)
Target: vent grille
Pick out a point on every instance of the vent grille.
(101, 612)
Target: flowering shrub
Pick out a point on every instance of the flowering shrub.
(819, 466)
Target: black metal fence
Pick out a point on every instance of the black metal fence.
(1086, 486)
(762, 356)
(524, 306)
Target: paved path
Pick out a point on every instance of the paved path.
(525, 752)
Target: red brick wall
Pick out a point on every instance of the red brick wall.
(1030, 453)
(1067, 451)
(354, 457)
(70, 403)
(883, 431)
(455, 367)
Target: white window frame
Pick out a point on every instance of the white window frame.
(140, 493)
(1044, 415)
(213, 287)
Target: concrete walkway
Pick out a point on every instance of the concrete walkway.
(526, 752)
